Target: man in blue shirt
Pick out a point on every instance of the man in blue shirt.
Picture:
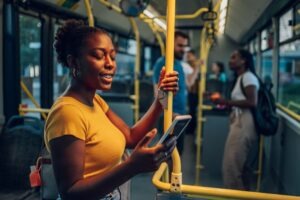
(180, 99)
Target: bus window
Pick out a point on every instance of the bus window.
(30, 59)
(147, 59)
(285, 28)
(289, 76)
(266, 67)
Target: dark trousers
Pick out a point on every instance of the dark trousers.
(193, 104)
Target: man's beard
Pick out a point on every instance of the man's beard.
(178, 56)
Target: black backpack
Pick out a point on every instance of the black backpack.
(264, 114)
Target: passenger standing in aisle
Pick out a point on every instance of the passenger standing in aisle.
(218, 72)
(85, 137)
(242, 134)
(180, 99)
(192, 86)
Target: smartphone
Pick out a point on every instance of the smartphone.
(177, 127)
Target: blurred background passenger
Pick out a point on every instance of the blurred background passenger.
(192, 86)
(218, 72)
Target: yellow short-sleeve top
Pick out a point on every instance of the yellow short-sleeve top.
(104, 142)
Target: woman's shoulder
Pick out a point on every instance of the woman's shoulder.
(64, 106)
(250, 78)
(101, 102)
(64, 101)
(249, 75)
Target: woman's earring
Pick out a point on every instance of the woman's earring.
(76, 73)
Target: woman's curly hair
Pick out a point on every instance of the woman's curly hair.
(70, 37)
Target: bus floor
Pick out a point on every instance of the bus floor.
(142, 187)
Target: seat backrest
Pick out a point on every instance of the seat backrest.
(20, 144)
(29, 121)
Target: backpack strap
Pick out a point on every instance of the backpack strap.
(261, 84)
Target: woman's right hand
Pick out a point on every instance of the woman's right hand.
(148, 159)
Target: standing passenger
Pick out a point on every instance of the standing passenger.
(180, 99)
(218, 72)
(85, 137)
(192, 85)
(242, 135)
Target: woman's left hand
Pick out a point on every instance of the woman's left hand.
(219, 101)
(168, 82)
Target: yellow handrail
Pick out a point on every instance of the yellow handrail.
(118, 9)
(217, 192)
(288, 111)
(158, 37)
(206, 107)
(294, 104)
(89, 12)
(188, 16)
(176, 176)
(111, 5)
(204, 49)
(143, 17)
(136, 68)
(205, 45)
(27, 92)
(37, 110)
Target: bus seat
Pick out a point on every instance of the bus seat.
(20, 145)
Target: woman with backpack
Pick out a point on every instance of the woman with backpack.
(242, 134)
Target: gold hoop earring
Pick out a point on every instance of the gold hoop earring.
(76, 73)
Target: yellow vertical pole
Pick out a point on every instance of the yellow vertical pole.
(176, 176)
(169, 67)
(136, 68)
(260, 162)
(204, 50)
(200, 102)
(89, 12)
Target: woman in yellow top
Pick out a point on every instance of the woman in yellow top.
(85, 137)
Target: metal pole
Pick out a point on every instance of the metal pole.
(136, 69)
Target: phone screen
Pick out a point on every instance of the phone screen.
(180, 127)
(177, 128)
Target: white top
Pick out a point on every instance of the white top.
(187, 69)
(248, 79)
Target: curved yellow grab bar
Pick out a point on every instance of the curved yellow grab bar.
(204, 50)
(89, 12)
(116, 8)
(30, 96)
(136, 68)
(288, 111)
(111, 6)
(294, 104)
(216, 192)
(158, 37)
(38, 110)
(188, 16)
